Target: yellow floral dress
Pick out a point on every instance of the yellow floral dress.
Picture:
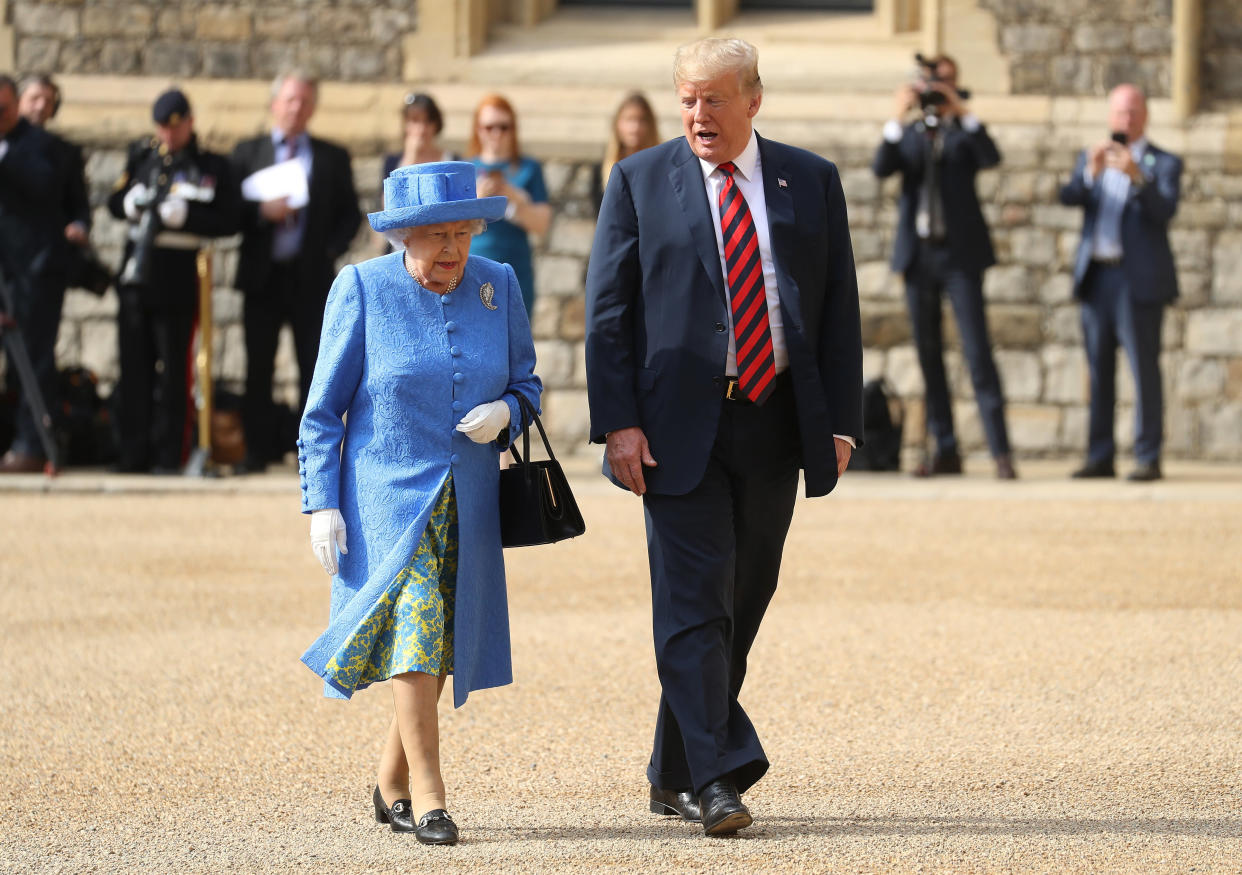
(410, 627)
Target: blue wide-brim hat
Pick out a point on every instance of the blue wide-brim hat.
(427, 194)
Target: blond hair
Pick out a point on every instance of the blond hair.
(615, 151)
(708, 59)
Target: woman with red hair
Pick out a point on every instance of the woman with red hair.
(503, 171)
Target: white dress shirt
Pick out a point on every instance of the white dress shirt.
(749, 179)
(748, 176)
(1114, 191)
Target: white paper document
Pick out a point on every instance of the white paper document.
(286, 179)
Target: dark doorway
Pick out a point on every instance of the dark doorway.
(843, 5)
(685, 4)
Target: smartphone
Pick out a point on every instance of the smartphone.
(1120, 138)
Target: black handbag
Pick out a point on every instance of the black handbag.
(536, 506)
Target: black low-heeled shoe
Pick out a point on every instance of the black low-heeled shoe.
(682, 803)
(436, 828)
(400, 817)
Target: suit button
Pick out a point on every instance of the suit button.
(458, 377)
(450, 325)
(720, 327)
(455, 350)
(454, 458)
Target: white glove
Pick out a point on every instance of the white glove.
(485, 422)
(135, 199)
(327, 536)
(173, 212)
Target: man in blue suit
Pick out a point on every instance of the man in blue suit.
(1124, 275)
(724, 354)
(942, 249)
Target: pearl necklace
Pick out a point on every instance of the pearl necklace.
(409, 268)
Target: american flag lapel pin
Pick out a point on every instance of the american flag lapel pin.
(782, 183)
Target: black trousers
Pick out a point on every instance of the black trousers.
(715, 554)
(284, 300)
(37, 302)
(155, 327)
(1111, 316)
(930, 276)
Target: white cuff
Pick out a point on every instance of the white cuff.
(971, 123)
(4, 149)
(849, 440)
(892, 131)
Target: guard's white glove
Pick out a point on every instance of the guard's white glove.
(327, 536)
(485, 422)
(135, 200)
(173, 212)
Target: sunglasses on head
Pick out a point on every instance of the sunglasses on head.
(497, 128)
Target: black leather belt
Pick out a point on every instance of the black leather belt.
(1106, 262)
(733, 391)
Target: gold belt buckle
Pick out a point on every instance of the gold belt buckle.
(731, 387)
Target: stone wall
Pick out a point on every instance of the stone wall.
(344, 40)
(1066, 47)
(1222, 49)
(1035, 324)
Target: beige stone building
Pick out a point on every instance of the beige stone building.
(1039, 70)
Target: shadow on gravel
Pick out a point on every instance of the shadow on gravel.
(786, 827)
(780, 828)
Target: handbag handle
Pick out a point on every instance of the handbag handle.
(528, 416)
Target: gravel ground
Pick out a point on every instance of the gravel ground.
(956, 675)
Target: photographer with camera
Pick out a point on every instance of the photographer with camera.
(32, 246)
(943, 248)
(173, 195)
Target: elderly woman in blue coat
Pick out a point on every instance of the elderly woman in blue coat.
(423, 354)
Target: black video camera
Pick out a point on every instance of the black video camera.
(929, 98)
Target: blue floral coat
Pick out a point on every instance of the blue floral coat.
(398, 368)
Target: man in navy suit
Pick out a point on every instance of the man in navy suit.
(724, 354)
(1124, 275)
(942, 250)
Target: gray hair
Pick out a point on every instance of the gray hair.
(396, 236)
(708, 59)
(297, 74)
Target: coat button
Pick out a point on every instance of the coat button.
(457, 405)
(458, 377)
(450, 325)
(720, 326)
(455, 350)
(454, 458)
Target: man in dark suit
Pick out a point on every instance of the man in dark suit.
(724, 354)
(288, 254)
(32, 245)
(39, 101)
(1124, 275)
(942, 249)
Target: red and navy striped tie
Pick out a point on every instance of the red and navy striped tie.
(756, 365)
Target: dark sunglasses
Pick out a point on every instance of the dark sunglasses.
(500, 127)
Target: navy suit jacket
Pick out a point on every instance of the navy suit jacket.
(965, 153)
(1147, 259)
(656, 309)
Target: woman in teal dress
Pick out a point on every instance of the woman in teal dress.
(423, 355)
(503, 171)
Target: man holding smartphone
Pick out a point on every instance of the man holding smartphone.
(1124, 276)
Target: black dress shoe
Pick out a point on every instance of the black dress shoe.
(436, 828)
(1094, 469)
(400, 816)
(1145, 473)
(722, 810)
(941, 463)
(1005, 469)
(680, 802)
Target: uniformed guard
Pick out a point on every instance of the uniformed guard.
(174, 195)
